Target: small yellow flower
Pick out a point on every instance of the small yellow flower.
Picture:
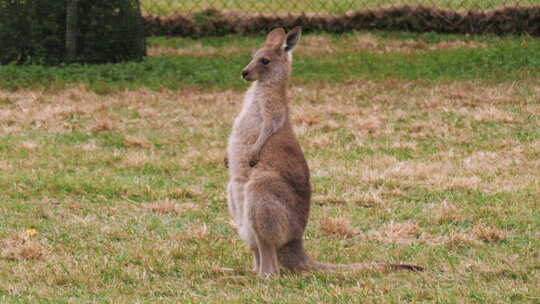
(31, 232)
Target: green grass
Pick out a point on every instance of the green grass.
(425, 148)
(501, 59)
(167, 7)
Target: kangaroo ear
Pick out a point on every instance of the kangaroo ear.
(292, 39)
(276, 37)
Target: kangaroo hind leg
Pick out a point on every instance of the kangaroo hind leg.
(256, 259)
(269, 221)
(268, 260)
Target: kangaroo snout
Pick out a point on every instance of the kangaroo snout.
(246, 75)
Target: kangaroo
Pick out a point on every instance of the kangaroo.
(269, 190)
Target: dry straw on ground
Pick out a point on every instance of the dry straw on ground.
(168, 206)
(481, 170)
(444, 212)
(395, 233)
(402, 171)
(339, 227)
(22, 246)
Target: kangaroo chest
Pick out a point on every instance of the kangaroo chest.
(248, 122)
(246, 129)
(247, 125)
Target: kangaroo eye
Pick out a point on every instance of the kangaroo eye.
(265, 61)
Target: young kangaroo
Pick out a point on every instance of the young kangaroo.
(269, 191)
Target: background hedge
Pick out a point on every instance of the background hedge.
(417, 18)
(34, 31)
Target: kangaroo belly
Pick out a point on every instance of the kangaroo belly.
(238, 210)
(237, 153)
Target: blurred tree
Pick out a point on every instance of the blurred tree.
(85, 31)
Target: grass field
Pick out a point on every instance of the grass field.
(168, 7)
(423, 148)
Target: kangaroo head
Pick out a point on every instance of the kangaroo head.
(272, 62)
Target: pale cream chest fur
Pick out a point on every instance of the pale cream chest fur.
(246, 128)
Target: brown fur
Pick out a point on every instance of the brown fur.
(269, 190)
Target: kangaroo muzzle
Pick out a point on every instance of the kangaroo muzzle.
(247, 75)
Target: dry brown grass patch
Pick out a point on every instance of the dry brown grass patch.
(535, 146)
(192, 232)
(106, 123)
(475, 236)
(168, 206)
(445, 212)
(488, 234)
(460, 239)
(369, 124)
(194, 50)
(371, 43)
(29, 145)
(319, 114)
(148, 112)
(338, 227)
(5, 165)
(77, 108)
(421, 129)
(492, 114)
(327, 200)
(316, 119)
(137, 141)
(308, 120)
(319, 111)
(321, 140)
(483, 160)
(45, 110)
(320, 45)
(351, 169)
(396, 233)
(9, 129)
(461, 183)
(136, 159)
(373, 197)
(91, 146)
(406, 145)
(191, 192)
(22, 246)
(456, 44)
(316, 45)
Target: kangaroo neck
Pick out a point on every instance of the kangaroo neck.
(275, 92)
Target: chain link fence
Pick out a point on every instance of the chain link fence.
(173, 7)
(217, 17)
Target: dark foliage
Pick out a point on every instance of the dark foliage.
(418, 18)
(34, 31)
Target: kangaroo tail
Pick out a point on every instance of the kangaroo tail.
(293, 257)
(315, 265)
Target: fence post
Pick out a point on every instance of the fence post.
(71, 30)
(142, 21)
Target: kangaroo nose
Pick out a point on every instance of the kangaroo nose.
(245, 73)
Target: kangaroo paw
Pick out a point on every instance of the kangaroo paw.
(253, 162)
